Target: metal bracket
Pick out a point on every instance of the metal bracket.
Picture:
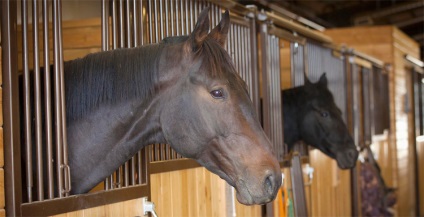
(148, 207)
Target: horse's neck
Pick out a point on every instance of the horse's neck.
(291, 115)
(106, 135)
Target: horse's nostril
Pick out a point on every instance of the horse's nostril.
(269, 184)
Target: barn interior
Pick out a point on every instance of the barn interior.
(371, 52)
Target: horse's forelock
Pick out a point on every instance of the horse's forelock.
(219, 63)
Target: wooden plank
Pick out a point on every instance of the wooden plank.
(2, 198)
(2, 213)
(1, 148)
(125, 208)
(420, 159)
(178, 199)
(1, 109)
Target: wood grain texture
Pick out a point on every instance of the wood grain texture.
(420, 158)
(192, 192)
(126, 208)
(330, 187)
(2, 198)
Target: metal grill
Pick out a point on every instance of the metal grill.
(44, 138)
(271, 91)
(321, 59)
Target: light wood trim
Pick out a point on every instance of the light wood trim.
(1, 148)
(2, 198)
(1, 108)
(126, 208)
(362, 62)
(309, 33)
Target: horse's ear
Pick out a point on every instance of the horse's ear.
(200, 32)
(323, 80)
(307, 81)
(220, 32)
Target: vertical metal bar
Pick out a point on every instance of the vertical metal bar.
(105, 47)
(65, 167)
(114, 26)
(48, 106)
(254, 65)
(105, 25)
(177, 19)
(58, 111)
(150, 21)
(161, 22)
(128, 23)
(27, 98)
(171, 5)
(298, 186)
(191, 16)
(135, 19)
(142, 14)
(166, 19)
(11, 127)
(121, 24)
(37, 101)
(265, 80)
(156, 23)
(186, 17)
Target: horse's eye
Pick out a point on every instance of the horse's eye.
(217, 94)
(325, 114)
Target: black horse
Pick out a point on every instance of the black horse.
(310, 114)
(184, 92)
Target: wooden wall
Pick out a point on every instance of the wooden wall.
(126, 208)
(2, 198)
(194, 192)
(389, 44)
(420, 154)
(330, 189)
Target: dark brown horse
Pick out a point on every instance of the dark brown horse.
(184, 92)
(310, 114)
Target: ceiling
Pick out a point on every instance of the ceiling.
(407, 15)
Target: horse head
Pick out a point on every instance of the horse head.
(322, 125)
(209, 116)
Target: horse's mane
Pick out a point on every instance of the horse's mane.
(123, 74)
(110, 76)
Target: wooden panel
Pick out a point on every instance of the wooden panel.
(1, 148)
(2, 198)
(420, 155)
(285, 64)
(192, 192)
(126, 208)
(374, 41)
(2, 213)
(384, 156)
(1, 106)
(330, 189)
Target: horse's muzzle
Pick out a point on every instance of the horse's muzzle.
(264, 193)
(346, 159)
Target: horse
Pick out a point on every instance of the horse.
(310, 114)
(183, 91)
